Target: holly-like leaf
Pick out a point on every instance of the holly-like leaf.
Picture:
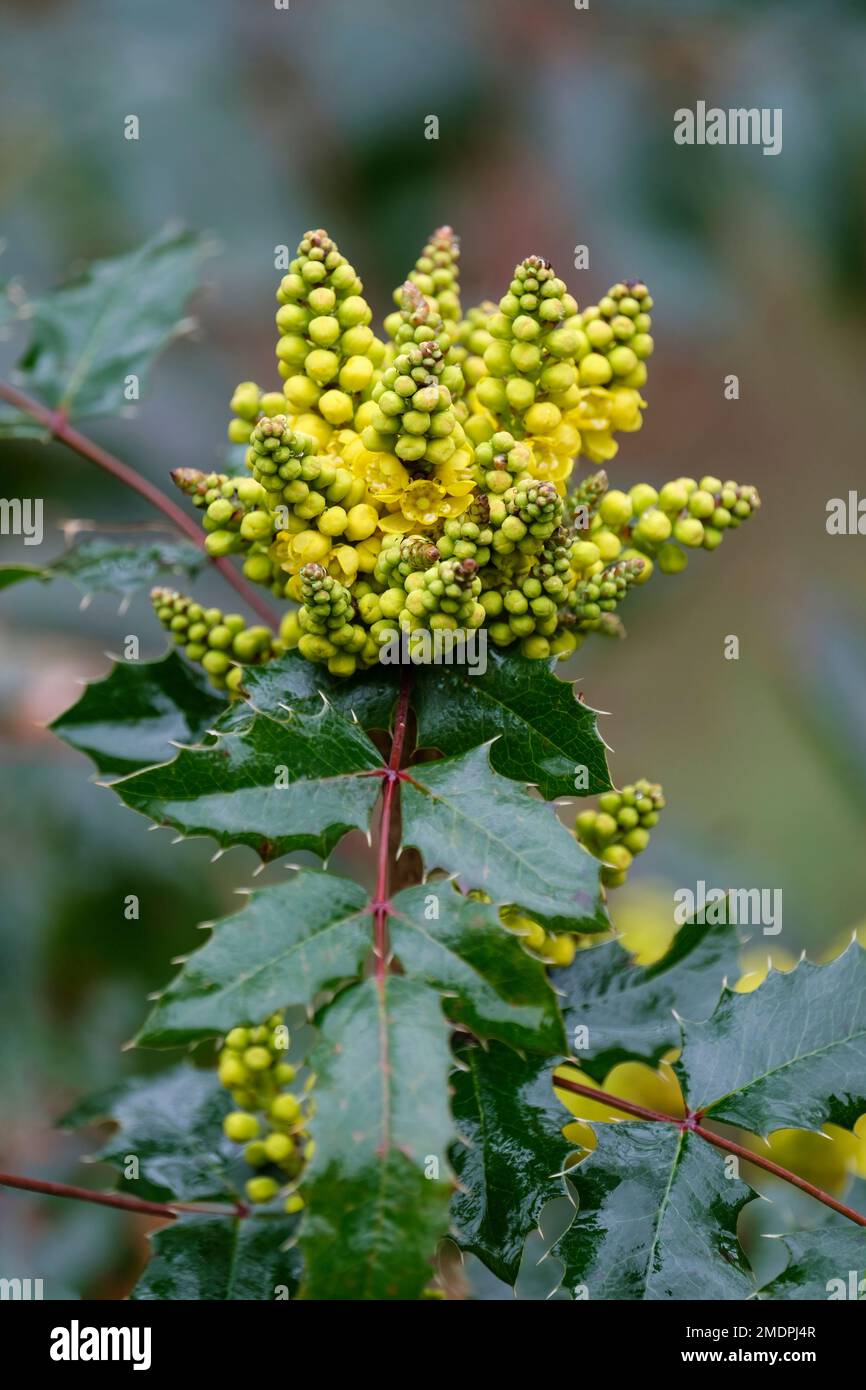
(542, 733)
(790, 1054)
(657, 1218)
(658, 1207)
(511, 1155)
(98, 564)
(468, 820)
(88, 338)
(172, 1123)
(829, 1266)
(492, 986)
(220, 1258)
(376, 1203)
(628, 1010)
(130, 719)
(289, 682)
(292, 783)
(288, 944)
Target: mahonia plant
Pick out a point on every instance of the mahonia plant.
(387, 1075)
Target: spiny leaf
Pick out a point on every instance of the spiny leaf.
(657, 1218)
(542, 733)
(493, 987)
(218, 1258)
(381, 1123)
(230, 790)
(831, 1265)
(512, 1153)
(172, 1124)
(628, 1010)
(89, 337)
(290, 682)
(97, 564)
(130, 719)
(791, 1054)
(288, 944)
(470, 821)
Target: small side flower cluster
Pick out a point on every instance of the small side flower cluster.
(273, 1110)
(620, 828)
(424, 479)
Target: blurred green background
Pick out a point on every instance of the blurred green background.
(556, 130)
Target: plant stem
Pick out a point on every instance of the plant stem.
(115, 1199)
(59, 428)
(690, 1123)
(390, 804)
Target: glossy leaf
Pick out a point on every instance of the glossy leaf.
(511, 1153)
(86, 339)
(285, 946)
(657, 1218)
(821, 1266)
(291, 683)
(131, 718)
(628, 1009)
(468, 820)
(492, 986)
(542, 733)
(376, 1188)
(172, 1124)
(791, 1054)
(277, 785)
(98, 564)
(219, 1258)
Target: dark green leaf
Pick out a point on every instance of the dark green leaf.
(291, 682)
(512, 1153)
(791, 1054)
(130, 719)
(657, 1218)
(97, 564)
(492, 986)
(628, 1010)
(230, 790)
(543, 734)
(87, 338)
(381, 1124)
(172, 1125)
(204, 1258)
(284, 947)
(826, 1264)
(469, 821)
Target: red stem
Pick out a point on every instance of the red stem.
(629, 1107)
(60, 429)
(115, 1199)
(389, 795)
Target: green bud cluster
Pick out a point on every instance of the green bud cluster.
(473, 340)
(583, 503)
(501, 461)
(282, 460)
(236, 519)
(436, 273)
(620, 828)
(248, 404)
(603, 592)
(402, 556)
(415, 418)
(327, 620)
(530, 361)
(468, 537)
(616, 332)
(683, 515)
(443, 596)
(327, 353)
(222, 643)
(270, 1119)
